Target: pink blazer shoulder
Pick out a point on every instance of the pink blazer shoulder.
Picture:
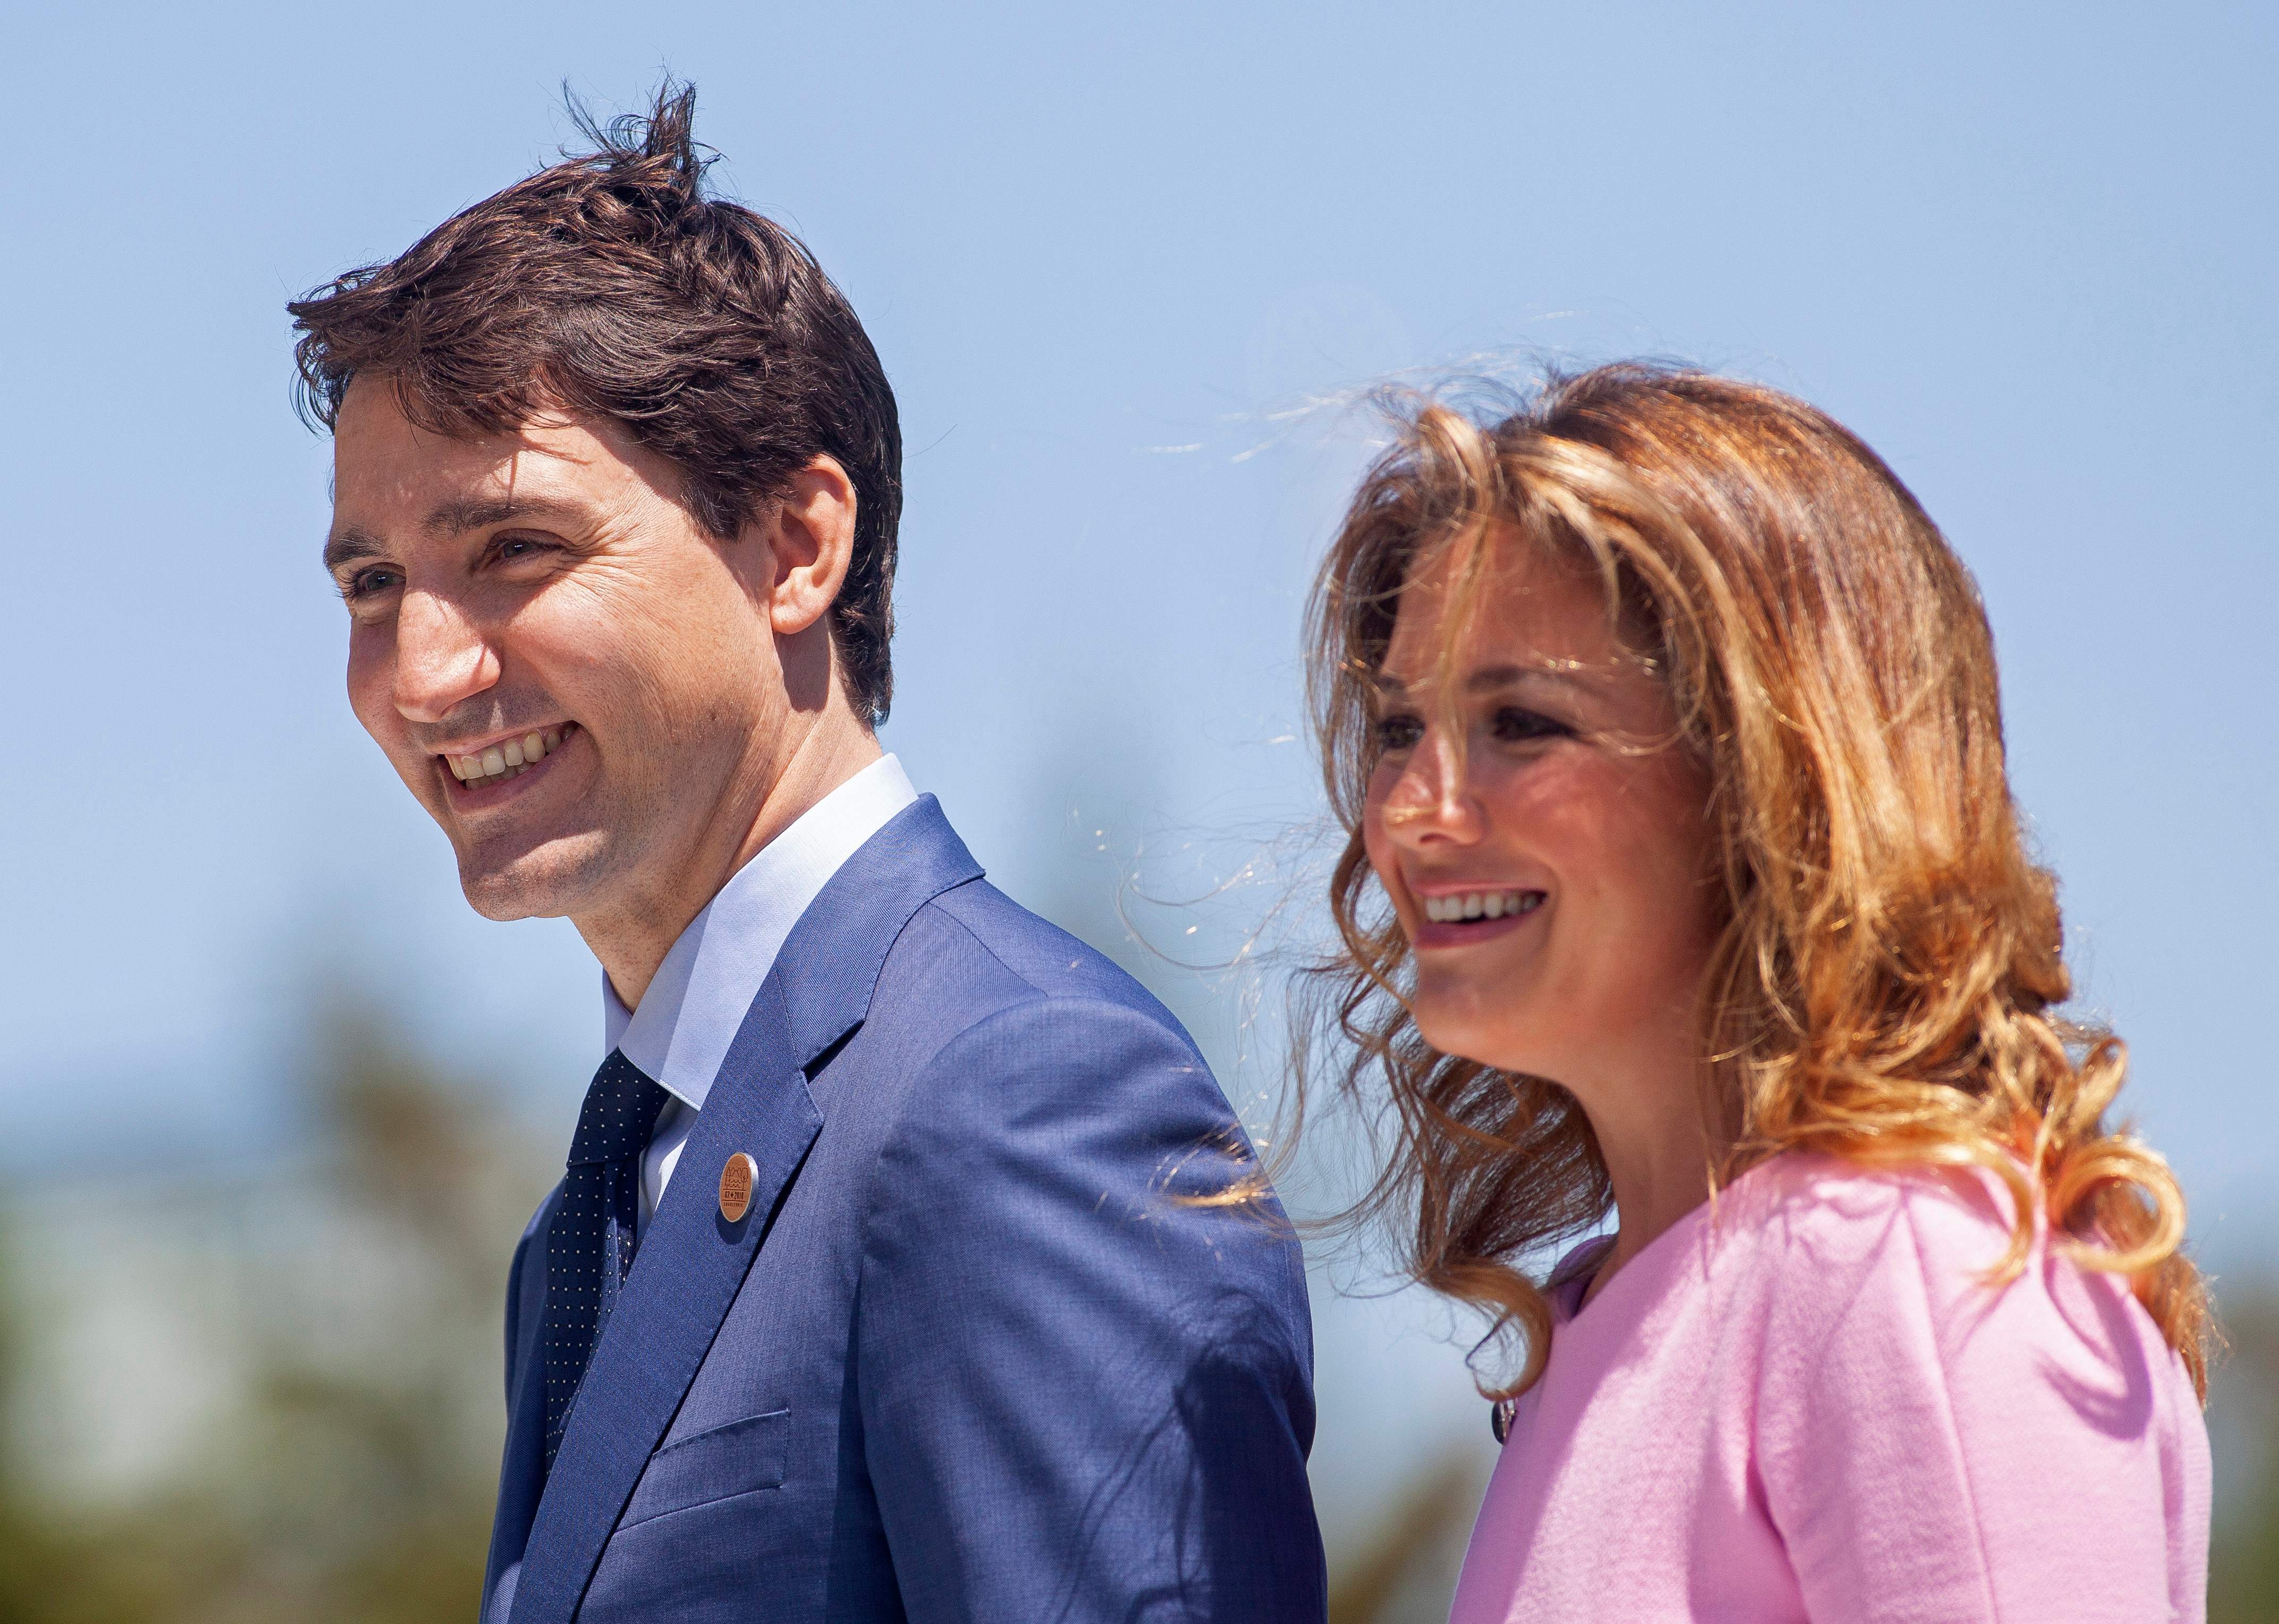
(1806, 1404)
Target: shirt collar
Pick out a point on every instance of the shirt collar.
(699, 996)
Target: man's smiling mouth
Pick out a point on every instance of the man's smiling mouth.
(507, 758)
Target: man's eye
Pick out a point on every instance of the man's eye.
(1396, 733)
(1514, 725)
(366, 583)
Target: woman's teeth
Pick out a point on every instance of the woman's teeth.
(503, 761)
(1481, 905)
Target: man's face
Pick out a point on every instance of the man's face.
(547, 582)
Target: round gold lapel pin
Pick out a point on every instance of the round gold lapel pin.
(736, 1181)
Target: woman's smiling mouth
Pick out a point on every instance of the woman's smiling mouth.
(1480, 904)
(1459, 918)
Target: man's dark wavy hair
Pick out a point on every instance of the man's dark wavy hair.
(610, 284)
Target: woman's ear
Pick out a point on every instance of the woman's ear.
(810, 536)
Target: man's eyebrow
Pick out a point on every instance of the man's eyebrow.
(347, 546)
(452, 518)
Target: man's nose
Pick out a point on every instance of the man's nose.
(441, 658)
(1432, 800)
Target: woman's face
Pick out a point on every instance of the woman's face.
(1555, 884)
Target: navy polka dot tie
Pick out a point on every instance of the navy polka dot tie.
(589, 1247)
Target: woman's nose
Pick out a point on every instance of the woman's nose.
(1431, 800)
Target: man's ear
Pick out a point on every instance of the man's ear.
(810, 536)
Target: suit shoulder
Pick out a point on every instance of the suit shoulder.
(1007, 956)
(990, 1003)
(1058, 1101)
(993, 1034)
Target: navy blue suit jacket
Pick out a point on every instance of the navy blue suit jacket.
(968, 1358)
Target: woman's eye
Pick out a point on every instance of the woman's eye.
(1513, 725)
(1399, 732)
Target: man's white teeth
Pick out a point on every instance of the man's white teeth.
(1481, 905)
(504, 761)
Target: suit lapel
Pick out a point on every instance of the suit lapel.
(693, 1263)
(522, 1472)
(688, 1272)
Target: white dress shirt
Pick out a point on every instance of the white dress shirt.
(698, 997)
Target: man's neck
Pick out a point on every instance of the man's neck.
(632, 942)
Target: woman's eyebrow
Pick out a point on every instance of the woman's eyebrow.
(1569, 673)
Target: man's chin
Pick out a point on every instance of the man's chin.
(545, 883)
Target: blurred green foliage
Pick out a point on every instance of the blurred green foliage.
(351, 1478)
(1405, 1573)
(2243, 1427)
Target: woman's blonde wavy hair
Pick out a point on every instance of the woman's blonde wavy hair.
(1885, 983)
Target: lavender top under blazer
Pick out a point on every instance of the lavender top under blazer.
(967, 1358)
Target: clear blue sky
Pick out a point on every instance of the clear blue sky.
(2028, 252)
